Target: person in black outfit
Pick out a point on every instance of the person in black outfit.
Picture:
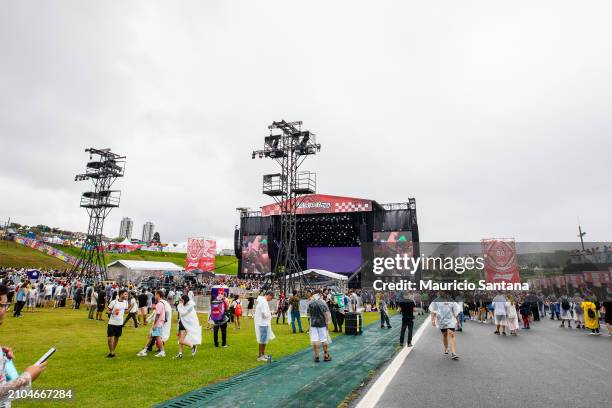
(406, 307)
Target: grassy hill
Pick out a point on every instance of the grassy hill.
(15, 255)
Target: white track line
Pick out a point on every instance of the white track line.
(371, 398)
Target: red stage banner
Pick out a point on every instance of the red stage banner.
(501, 264)
(544, 282)
(200, 254)
(597, 278)
(559, 281)
(574, 280)
(321, 203)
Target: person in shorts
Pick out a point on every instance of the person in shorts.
(263, 324)
(444, 312)
(320, 317)
(114, 329)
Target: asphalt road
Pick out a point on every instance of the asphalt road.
(546, 366)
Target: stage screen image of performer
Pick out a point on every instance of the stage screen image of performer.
(387, 244)
(255, 258)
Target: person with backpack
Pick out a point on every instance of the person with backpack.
(237, 306)
(566, 311)
(591, 319)
(219, 318)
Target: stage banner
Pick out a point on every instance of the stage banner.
(574, 280)
(200, 255)
(501, 264)
(543, 283)
(560, 281)
(321, 203)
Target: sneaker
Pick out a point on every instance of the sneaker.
(262, 358)
(178, 356)
(142, 353)
(445, 351)
(455, 356)
(194, 350)
(161, 354)
(109, 355)
(225, 346)
(409, 345)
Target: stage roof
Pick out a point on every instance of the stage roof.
(323, 203)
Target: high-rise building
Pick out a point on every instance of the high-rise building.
(148, 229)
(125, 231)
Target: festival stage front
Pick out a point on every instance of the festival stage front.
(330, 233)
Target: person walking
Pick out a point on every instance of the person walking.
(219, 318)
(20, 300)
(591, 319)
(263, 324)
(499, 310)
(384, 313)
(512, 315)
(406, 308)
(132, 310)
(250, 303)
(525, 310)
(143, 300)
(578, 312)
(189, 329)
(101, 302)
(114, 329)
(320, 317)
(443, 312)
(91, 301)
(565, 307)
(162, 318)
(294, 303)
(237, 306)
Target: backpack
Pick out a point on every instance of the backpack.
(591, 313)
(238, 309)
(565, 304)
(217, 310)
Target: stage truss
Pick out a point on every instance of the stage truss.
(288, 149)
(103, 169)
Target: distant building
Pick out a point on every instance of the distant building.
(125, 231)
(148, 229)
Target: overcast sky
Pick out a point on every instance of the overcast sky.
(495, 116)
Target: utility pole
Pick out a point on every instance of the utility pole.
(581, 234)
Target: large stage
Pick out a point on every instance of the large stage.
(330, 232)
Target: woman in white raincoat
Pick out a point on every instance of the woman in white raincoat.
(189, 329)
(167, 322)
(263, 324)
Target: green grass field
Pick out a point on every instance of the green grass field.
(127, 380)
(13, 255)
(18, 256)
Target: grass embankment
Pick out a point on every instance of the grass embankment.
(129, 381)
(13, 255)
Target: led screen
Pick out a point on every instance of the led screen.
(255, 257)
(334, 259)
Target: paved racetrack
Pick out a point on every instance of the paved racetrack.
(546, 366)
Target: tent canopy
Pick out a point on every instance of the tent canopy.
(320, 272)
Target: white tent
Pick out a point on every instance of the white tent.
(320, 272)
(136, 271)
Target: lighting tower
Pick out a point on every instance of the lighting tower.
(103, 169)
(288, 149)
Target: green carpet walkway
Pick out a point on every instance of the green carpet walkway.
(296, 381)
